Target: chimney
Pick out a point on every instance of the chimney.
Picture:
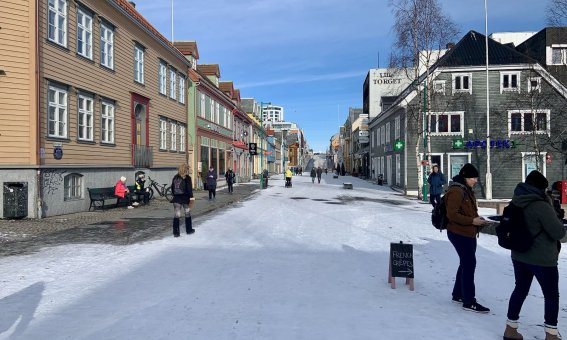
(132, 3)
(450, 45)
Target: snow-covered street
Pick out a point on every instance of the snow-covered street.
(307, 262)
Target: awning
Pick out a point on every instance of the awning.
(240, 144)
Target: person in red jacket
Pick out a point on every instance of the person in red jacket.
(121, 191)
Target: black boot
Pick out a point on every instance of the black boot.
(175, 227)
(189, 225)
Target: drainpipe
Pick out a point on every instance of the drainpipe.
(38, 196)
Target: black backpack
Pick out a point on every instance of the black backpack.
(513, 232)
(439, 214)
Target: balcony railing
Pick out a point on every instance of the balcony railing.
(142, 156)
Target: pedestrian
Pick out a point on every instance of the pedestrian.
(212, 183)
(121, 191)
(436, 182)
(541, 259)
(463, 227)
(183, 199)
(313, 174)
(288, 175)
(319, 173)
(326, 171)
(230, 176)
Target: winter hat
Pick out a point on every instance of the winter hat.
(468, 171)
(537, 179)
(123, 179)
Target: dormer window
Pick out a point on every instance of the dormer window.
(559, 55)
(534, 84)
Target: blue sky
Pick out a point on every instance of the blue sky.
(311, 56)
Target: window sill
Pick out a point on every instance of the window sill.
(57, 139)
(89, 142)
(85, 58)
(56, 44)
(107, 144)
(441, 134)
(107, 69)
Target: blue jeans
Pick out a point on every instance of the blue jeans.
(464, 281)
(548, 279)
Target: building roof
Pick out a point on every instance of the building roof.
(187, 48)
(471, 51)
(209, 69)
(131, 11)
(227, 87)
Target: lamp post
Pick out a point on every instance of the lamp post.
(488, 173)
(424, 167)
(283, 141)
(262, 139)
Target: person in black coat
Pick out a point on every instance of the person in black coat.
(183, 199)
(436, 182)
(230, 176)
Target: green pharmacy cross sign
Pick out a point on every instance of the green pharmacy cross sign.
(399, 145)
(458, 143)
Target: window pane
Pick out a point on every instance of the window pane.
(541, 121)
(443, 121)
(528, 122)
(514, 80)
(457, 83)
(516, 122)
(505, 81)
(455, 123)
(556, 56)
(466, 83)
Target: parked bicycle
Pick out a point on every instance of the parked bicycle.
(162, 189)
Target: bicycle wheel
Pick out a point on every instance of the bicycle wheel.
(151, 192)
(168, 194)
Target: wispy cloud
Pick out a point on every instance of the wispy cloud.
(303, 79)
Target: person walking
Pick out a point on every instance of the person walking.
(230, 176)
(288, 175)
(212, 183)
(463, 227)
(319, 173)
(121, 191)
(183, 200)
(541, 259)
(313, 174)
(436, 182)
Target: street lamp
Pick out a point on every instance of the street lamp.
(488, 173)
(262, 139)
(282, 150)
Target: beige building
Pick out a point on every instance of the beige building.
(89, 92)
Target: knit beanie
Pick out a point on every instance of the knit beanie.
(468, 171)
(123, 179)
(537, 179)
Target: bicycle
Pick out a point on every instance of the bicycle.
(162, 189)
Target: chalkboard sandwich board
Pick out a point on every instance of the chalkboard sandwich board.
(401, 263)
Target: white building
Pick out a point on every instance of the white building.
(381, 86)
(273, 114)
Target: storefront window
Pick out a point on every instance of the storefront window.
(204, 161)
(221, 162)
(214, 158)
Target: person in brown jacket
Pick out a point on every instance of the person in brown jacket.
(462, 229)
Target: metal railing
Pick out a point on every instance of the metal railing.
(142, 156)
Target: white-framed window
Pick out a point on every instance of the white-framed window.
(182, 89)
(397, 127)
(57, 114)
(217, 113)
(398, 170)
(211, 115)
(106, 45)
(528, 121)
(162, 78)
(182, 140)
(172, 83)
(139, 64)
(84, 33)
(162, 133)
(531, 161)
(107, 122)
(462, 82)
(85, 119)
(534, 84)
(447, 123)
(510, 81)
(173, 136)
(388, 133)
(439, 86)
(559, 55)
(57, 22)
(73, 185)
(202, 105)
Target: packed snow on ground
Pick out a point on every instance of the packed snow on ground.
(307, 262)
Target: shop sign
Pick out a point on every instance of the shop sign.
(494, 144)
